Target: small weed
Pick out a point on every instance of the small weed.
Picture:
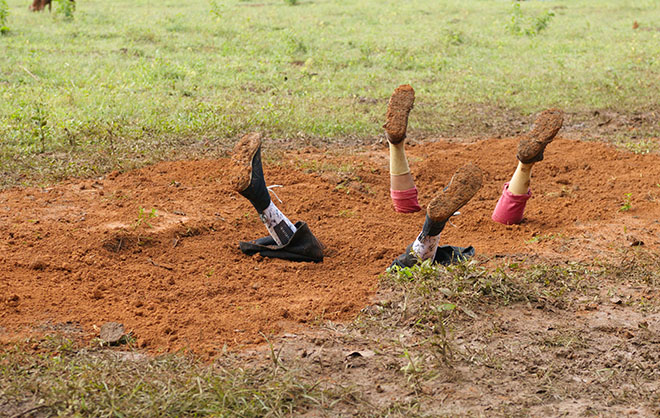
(144, 217)
(4, 15)
(291, 2)
(453, 37)
(520, 25)
(66, 8)
(541, 22)
(346, 213)
(542, 238)
(216, 9)
(297, 46)
(40, 129)
(412, 367)
(627, 203)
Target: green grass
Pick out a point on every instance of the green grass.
(440, 291)
(125, 83)
(74, 381)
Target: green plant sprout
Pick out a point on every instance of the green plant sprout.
(627, 203)
(144, 217)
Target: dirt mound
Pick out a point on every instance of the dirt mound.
(156, 249)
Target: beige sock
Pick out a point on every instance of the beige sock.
(398, 160)
(519, 183)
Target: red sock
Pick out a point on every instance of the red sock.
(405, 201)
(511, 207)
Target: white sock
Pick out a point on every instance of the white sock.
(426, 245)
(278, 225)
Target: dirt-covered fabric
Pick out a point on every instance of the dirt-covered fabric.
(303, 246)
(445, 255)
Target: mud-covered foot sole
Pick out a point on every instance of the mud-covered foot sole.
(241, 161)
(546, 126)
(398, 109)
(463, 186)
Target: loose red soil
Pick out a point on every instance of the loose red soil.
(82, 252)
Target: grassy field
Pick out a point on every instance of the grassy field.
(120, 84)
(124, 83)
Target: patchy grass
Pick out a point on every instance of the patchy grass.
(55, 377)
(101, 90)
(643, 146)
(462, 287)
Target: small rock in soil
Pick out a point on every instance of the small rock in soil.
(38, 265)
(112, 332)
(634, 241)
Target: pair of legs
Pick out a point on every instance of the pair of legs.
(511, 205)
(247, 178)
(463, 186)
(287, 240)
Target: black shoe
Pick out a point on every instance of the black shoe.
(303, 246)
(407, 259)
(445, 255)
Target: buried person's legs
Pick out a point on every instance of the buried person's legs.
(463, 186)
(248, 180)
(510, 207)
(286, 241)
(402, 185)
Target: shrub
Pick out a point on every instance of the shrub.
(4, 14)
(520, 25)
(66, 8)
(216, 9)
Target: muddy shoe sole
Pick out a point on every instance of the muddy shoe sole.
(241, 161)
(546, 126)
(463, 186)
(398, 109)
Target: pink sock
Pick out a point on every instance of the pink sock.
(510, 208)
(405, 201)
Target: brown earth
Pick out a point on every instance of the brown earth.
(84, 252)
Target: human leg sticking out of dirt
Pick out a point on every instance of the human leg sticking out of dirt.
(463, 186)
(402, 185)
(510, 207)
(286, 240)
